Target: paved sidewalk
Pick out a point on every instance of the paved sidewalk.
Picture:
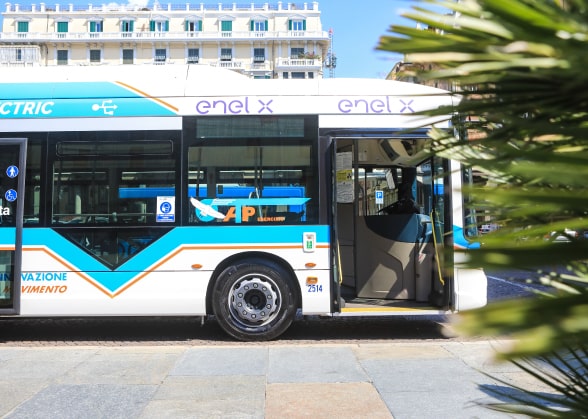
(392, 380)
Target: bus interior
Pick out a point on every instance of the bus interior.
(390, 224)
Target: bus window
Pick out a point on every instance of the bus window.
(110, 180)
(244, 183)
(107, 179)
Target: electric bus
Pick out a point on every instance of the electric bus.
(197, 191)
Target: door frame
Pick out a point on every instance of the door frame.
(22, 158)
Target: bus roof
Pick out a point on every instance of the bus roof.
(180, 90)
(204, 80)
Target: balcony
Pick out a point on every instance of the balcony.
(159, 36)
(230, 65)
(298, 64)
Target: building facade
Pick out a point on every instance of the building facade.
(284, 40)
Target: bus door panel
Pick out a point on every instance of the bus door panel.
(12, 171)
(346, 243)
(386, 252)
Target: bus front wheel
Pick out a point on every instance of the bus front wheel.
(254, 300)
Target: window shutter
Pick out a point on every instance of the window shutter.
(186, 26)
(304, 25)
(152, 25)
(131, 25)
(226, 26)
(251, 24)
(265, 26)
(62, 27)
(166, 26)
(92, 26)
(200, 25)
(289, 24)
(23, 27)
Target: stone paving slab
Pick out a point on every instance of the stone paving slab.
(86, 401)
(319, 401)
(314, 364)
(217, 361)
(262, 381)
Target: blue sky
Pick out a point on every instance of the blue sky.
(356, 26)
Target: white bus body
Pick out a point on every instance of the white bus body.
(191, 190)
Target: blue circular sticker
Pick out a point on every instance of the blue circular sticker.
(165, 207)
(12, 171)
(10, 195)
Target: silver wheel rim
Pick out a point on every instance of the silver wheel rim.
(254, 301)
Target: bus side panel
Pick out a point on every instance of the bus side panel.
(315, 289)
(169, 277)
(157, 293)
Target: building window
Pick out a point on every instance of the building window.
(22, 27)
(310, 75)
(62, 57)
(127, 56)
(258, 25)
(96, 26)
(296, 52)
(296, 25)
(226, 25)
(226, 54)
(126, 25)
(285, 75)
(160, 55)
(159, 25)
(258, 55)
(95, 56)
(18, 54)
(193, 55)
(193, 26)
(298, 74)
(62, 28)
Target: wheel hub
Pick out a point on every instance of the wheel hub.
(254, 300)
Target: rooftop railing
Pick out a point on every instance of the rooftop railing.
(170, 36)
(115, 7)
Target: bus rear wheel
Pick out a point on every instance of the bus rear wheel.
(254, 300)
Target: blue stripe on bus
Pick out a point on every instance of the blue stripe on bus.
(227, 192)
(113, 280)
(65, 90)
(71, 100)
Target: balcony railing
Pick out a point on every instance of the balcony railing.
(135, 7)
(170, 36)
(231, 65)
(299, 63)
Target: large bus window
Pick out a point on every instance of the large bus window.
(105, 178)
(253, 180)
(252, 184)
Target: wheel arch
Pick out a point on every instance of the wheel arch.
(253, 256)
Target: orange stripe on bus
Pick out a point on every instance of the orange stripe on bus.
(70, 267)
(164, 103)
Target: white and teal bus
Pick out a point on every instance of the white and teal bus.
(196, 191)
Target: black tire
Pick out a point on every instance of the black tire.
(254, 300)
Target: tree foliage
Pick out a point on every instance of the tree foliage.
(520, 68)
